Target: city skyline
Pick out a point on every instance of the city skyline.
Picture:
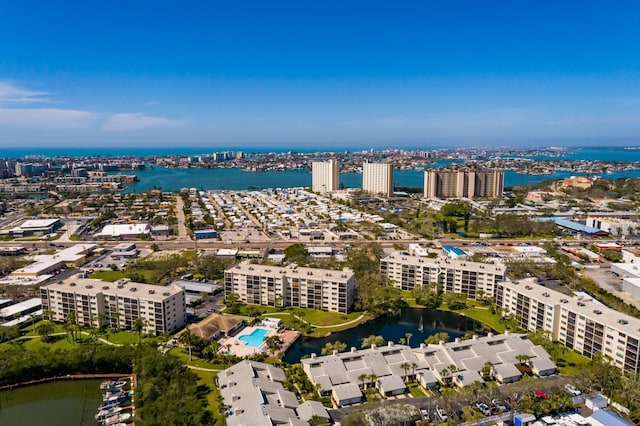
(291, 75)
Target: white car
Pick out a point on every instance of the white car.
(425, 414)
(572, 389)
(442, 415)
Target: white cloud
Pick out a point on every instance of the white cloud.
(10, 93)
(45, 117)
(125, 122)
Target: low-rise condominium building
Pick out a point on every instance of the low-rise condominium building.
(118, 304)
(578, 322)
(473, 279)
(323, 289)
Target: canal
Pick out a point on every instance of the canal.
(392, 328)
(61, 403)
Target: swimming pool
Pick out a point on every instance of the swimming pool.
(255, 339)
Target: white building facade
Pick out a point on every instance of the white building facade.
(322, 289)
(377, 178)
(325, 176)
(118, 304)
(473, 279)
(578, 322)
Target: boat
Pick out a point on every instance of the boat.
(108, 412)
(112, 385)
(118, 396)
(113, 420)
(421, 326)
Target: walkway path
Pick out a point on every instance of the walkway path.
(319, 326)
(105, 341)
(213, 370)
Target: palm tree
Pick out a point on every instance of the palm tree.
(372, 378)
(138, 326)
(413, 369)
(186, 337)
(273, 343)
(405, 366)
(523, 358)
(437, 338)
(408, 336)
(362, 378)
(486, 370)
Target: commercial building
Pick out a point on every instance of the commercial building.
(325, 176)
(613, 225)
(118, 304)
(36, 227)
(124, 231)
(463, 183)
(323, 289)
(71, 257)
(473, 279)
(254, 395)
(578, 322)
(377, 178)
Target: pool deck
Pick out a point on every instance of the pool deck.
(240, 349)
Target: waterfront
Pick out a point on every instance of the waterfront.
(236, 179)
(392, 328)
(60, 403)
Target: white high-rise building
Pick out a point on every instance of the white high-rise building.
(325, 176)
(377, 178)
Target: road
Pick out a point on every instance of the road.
(182, 228)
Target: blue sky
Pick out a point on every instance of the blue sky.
(330, 74)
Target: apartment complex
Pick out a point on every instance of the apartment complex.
(118, 304)
(578, 322)
(473, 279)
(325, 176)
(463, 183)
(377, 178)
(323, 289)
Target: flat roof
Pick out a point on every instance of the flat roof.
(37, 223)
(10, 311)
(197, 286)
(584, 305)
(123, 287)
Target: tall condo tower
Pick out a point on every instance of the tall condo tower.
(377, 178)
(465, 183)
(325, 176)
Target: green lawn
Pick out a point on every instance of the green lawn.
(485, 316)
(316, 317)
(416, 391)
(109, 276)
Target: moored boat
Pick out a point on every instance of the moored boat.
(117, 419)
(108, 412)
(112, 385)
(117, 396)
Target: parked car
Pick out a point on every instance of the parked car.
(483, 408)
(425, 414)
(572, 389)
(540, 394)
(500, 405)
(441, 414)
